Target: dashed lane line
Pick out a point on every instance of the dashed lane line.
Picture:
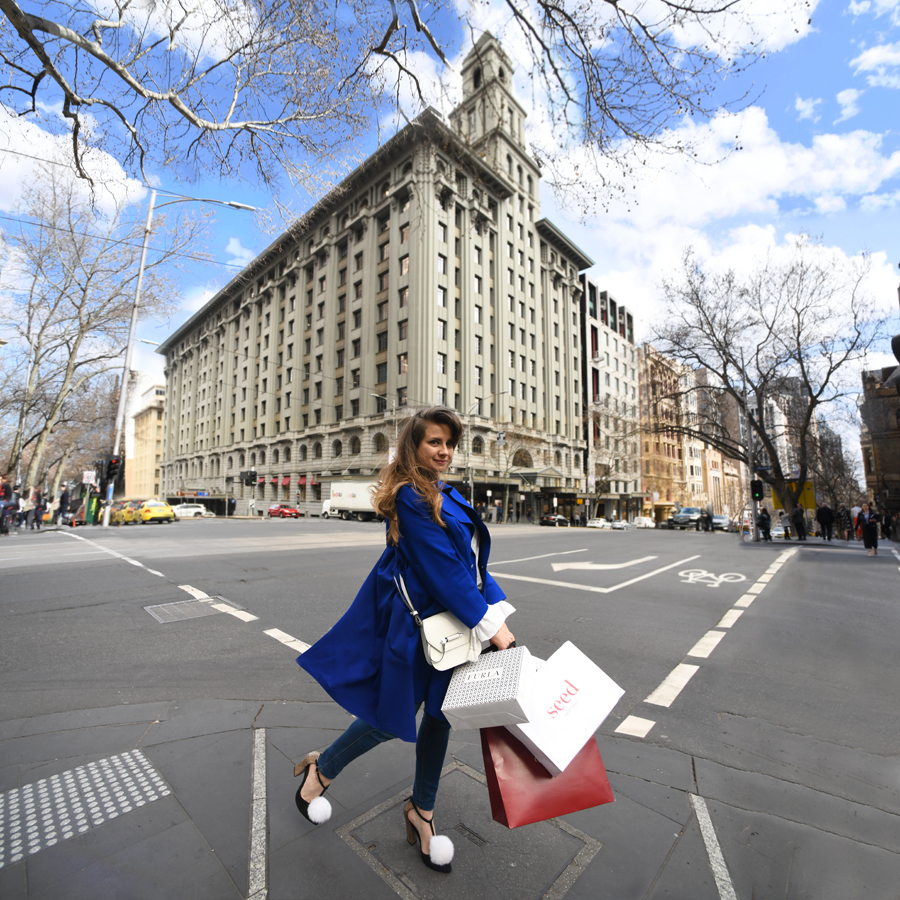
(287, 639)
(713, 850)
(675, 681)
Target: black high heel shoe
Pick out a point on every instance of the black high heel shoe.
(441, 846)
(317, 810)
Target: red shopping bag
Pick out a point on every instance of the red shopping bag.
(522, 791)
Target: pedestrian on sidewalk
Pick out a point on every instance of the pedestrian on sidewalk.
(371, 662)
(798, 519)
(825, 518)
(764, 523)
(867, 521)
(63, 507)
(785, 520)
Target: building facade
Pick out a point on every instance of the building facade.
(610, 399)
(880, 439)
(428, 276)
(145, 466)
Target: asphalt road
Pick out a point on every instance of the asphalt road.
(774, 675)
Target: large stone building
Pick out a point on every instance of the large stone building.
(427, 276)
(880, 439)
(611, 404)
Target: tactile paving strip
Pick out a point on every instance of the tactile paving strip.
(55, 809)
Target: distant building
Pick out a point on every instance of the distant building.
(426, 277)
(144, 468)
(611, 404)
(880, 439)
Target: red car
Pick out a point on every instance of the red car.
(284, 510)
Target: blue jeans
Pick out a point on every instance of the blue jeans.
(431, 748)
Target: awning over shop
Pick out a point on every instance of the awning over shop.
(261, 479)
(286, 480)
(273, 479)
(301, 479)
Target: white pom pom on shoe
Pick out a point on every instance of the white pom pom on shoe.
(441, 850)
(319, 811)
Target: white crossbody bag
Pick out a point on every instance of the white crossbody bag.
(445, 640)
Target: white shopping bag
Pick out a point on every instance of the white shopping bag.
(491, 691)
(571, 697)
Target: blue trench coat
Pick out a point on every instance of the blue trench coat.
(371, 662)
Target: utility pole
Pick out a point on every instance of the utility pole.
(754, 505)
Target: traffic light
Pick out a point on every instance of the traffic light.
(249, 477)
(756, 490)
(113, 464)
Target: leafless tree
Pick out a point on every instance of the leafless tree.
(280, 88)
(615, 428)
(68, 283)
(784, 337)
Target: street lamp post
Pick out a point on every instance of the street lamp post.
(129, 347)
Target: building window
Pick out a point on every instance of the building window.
(384, 280)
(404, 233)
(382, 311)
(357, 344)
(403, 330)
(442, 363)
(404, 297)
(402, 364)
(381, 373)
(478, 344)
(442, 297)
(404, 265)
(382, 341)
(357, 318)
(442, 396)
(442, 265)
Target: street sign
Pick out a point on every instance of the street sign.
(89, 477)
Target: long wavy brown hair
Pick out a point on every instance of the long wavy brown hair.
(406, 468)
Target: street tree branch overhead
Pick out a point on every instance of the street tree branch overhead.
(276, 90)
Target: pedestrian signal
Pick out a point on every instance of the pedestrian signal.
(756, 490)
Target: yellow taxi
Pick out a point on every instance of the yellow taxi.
(126, 512)
(155, 511)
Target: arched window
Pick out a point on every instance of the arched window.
(577, 460)
(530, 187)
(317, 450)
(242, 460)
(522, 459)
(519, 173)
(262, 458)
(476, 78)
(380, 442)
(355, 446)
(558, 458)
(252, 459)
(303, 452)
(509, 165)
(230, 463)
(337, 448)
(287, 454)
(477, 446)
(274, 456)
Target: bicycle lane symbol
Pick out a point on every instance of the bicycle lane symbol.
(701, 576)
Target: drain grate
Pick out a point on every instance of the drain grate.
(180, 610)
(470, 835)
(232, 603)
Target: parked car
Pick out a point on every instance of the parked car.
(721, 523)
(620, 525)
(156, 511)
(126, 512)
(643, 522)
(554, 520)
(597, 523)
(283, 511)
(192, 511)
(686, 517)
(776, 531)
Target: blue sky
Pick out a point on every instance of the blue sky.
(820, 153)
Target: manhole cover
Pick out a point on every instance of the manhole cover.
(541, 860)
(180, 610)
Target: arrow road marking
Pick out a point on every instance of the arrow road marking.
(596, 567)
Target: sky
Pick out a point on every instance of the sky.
(820, 154)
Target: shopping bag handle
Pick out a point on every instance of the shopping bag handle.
(494, 647)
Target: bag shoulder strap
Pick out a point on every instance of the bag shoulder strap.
(404, 595)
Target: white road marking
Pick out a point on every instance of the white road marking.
(258, 828)
(154, 572)
(713, 850)
(756, 588)
(196, 593)
(287, 639)
(635, 726)
(586, 587)
(746, 600)
(706, 644)
(765, 579)
(241, 614)
(504, 562)
(701, 576)
(596, 567)
(730, 618)
(672, 685)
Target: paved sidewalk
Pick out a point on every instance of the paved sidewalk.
(157, 800)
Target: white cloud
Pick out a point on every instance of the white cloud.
(24, 145)
(239, 254)
(830, 204)
(807, 108)
(857, 9)
(849, 104)
(877, 202)
(880, 62)
(878, 8)
(197, 297)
